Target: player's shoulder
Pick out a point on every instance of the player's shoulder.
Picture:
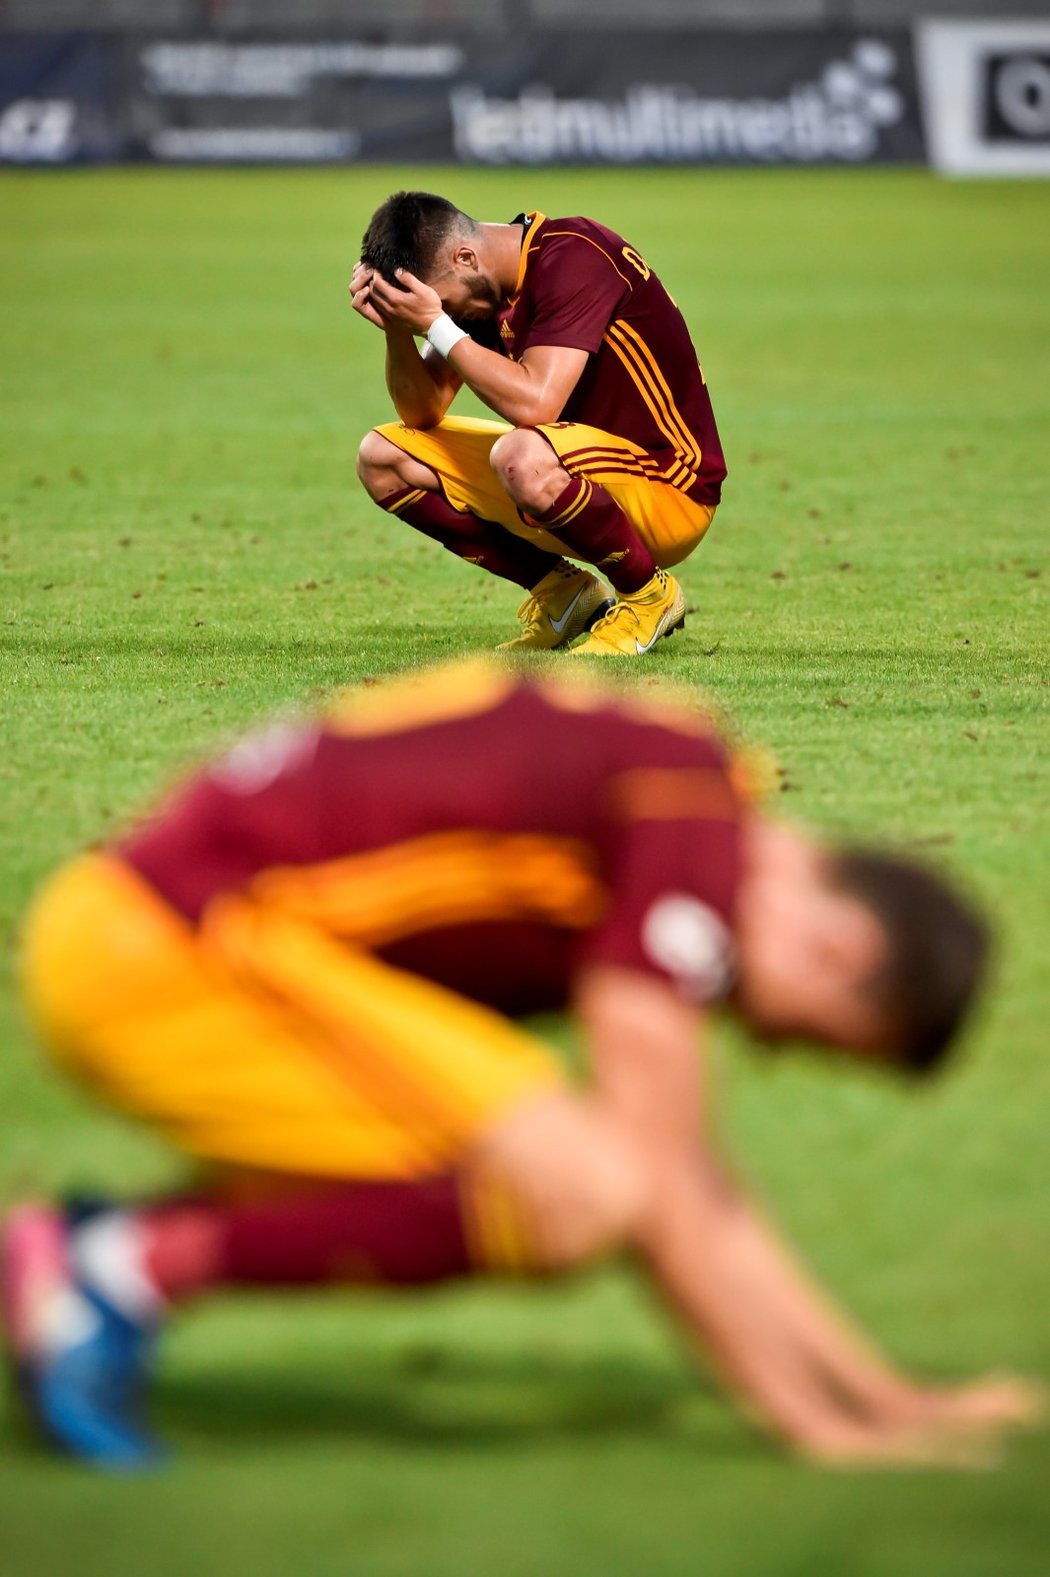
(479, 684)
(637, 709)
(403, 702)
(666, 725)
(578, 229)
(584, 249)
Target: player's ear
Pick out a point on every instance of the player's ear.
(465, 257)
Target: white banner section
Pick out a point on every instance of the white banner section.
(985, 89)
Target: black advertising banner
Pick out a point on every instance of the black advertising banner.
(789, 97)
(60, 99)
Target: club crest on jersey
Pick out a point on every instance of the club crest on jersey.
(259, 759)
(688, 939)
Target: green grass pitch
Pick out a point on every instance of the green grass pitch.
(183, 545)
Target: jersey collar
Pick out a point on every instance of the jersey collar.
(532, 223)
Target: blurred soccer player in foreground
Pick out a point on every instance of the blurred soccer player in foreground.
(611, 456)
(306, 969)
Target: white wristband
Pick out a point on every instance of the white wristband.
(443, 334)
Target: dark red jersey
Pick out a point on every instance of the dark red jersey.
(489, 833)
(583, 286)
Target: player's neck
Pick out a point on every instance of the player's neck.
(501, 245)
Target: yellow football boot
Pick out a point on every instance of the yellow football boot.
(564, 604)
(636, 621)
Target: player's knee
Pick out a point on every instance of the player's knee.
(378, 463)
(599, 1202)
(524, 462)
(579, 1182)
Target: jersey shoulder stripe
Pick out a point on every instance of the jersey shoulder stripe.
(577, 235)
(449, 693)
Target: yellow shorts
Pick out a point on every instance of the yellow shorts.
(670, 524)
(258, 1041)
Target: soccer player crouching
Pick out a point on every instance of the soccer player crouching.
(607, 454)
(307, 970)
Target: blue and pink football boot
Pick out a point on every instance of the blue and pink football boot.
(80, 1364)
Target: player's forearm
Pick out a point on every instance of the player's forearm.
(729, 1301)
(742, 1309)
(506, 387)
(419, 399)
(714, 1256)
(847, 1360)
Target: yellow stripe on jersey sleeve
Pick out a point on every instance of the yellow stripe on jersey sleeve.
(440, 879)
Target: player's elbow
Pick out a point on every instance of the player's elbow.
(419, 415)
(420, 402)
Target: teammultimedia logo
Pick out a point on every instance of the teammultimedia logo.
(1015, 96)
(837, 118)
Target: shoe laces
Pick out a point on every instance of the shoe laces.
(530, 611)
(624, 610)
(622, 613)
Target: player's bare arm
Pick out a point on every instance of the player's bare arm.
(422, 385)
(779, 1343)
(525, 393)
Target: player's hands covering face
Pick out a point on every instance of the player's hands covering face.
(360, 288)
(408, 305)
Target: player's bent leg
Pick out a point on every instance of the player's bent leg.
(569, 1176)
(564, 600)
(634, 624)
(588, 519)
(672, 525)
(573, 509)
(528, 469)
(383, 468)
(178, 1028)
(235, 1039)
(667, 522)
(565, 603)
(670, 522)
(410, 490)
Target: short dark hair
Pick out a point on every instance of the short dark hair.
(408, 230)
(938, 950)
